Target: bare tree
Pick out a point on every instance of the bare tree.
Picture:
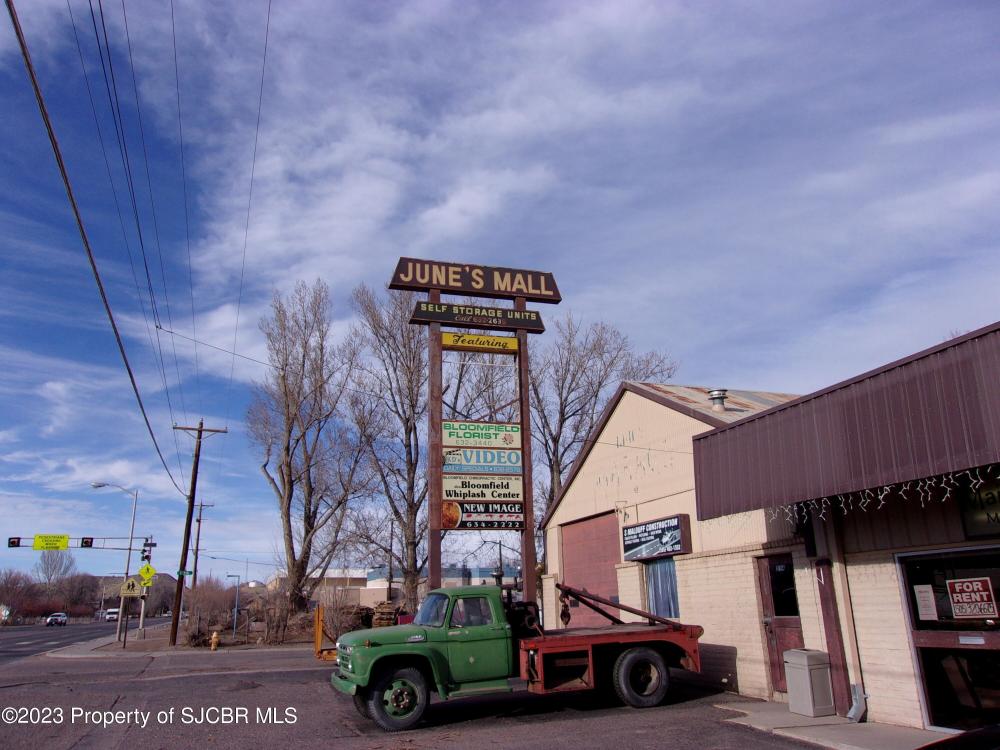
(310, 433)
(394, 374)
(17, 590)
(572, 376)
(52, 566)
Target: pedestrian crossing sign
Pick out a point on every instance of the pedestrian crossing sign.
(130, 588)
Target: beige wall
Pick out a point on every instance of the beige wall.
(717, 584)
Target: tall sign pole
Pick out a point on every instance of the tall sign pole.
(478, 473)
(435, 453)
(524, 394)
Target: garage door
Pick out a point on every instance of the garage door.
(589, 555)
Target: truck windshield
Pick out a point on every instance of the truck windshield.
(432, 611)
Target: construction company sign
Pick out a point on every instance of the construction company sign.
(477, 281)
(972, 598)
(480, 434)
(665, 536)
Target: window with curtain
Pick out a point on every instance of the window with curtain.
(661, 587)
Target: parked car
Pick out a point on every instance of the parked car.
(56, 618)
(111, 615)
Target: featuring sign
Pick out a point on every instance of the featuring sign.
(477, 281)
(479, 342)
(51, 541)
(509, 488)
(926, 605)
(147, 571)
(480, 434)
(477, 316)
(981, 510)
(130, 588)
(482, 461)
(972, 598)
(482, 515)
(666, 536)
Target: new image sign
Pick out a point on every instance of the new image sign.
(972, 598)
(482, 515)
(480, 434)
(509, 488)
(482, 461)
(665, 536)
(477, 316)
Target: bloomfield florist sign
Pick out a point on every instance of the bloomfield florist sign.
(480, 434)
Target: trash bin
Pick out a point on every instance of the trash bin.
(810, 691)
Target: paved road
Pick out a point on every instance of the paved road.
(298, 709)
(19, 641)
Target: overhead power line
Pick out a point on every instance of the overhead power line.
(57, 153)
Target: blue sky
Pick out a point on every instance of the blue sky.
(779, 195)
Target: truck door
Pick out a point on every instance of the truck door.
(479, 641)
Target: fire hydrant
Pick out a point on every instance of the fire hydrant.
(215, 639)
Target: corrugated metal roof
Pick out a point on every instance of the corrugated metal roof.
(739, 404)
(691, 400)
(933, 412)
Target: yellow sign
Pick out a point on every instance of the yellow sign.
(478, 342)
(147, 571)
(51, 541)
(130, 588)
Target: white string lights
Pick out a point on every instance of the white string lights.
(936, 489)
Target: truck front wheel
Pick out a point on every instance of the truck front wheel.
(397, 700)
(361, 704)
(640, 677)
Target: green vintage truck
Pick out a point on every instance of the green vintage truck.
(471, 640)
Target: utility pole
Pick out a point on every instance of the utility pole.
(197, 543)
(181, 570)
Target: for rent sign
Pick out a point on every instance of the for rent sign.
(972, 598)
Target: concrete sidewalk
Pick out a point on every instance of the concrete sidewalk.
(828, 731)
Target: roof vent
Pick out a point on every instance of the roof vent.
(718, 398)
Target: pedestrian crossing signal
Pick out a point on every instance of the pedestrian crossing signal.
(13, 541)
(87, 542)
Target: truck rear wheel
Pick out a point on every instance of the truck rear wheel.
(397, 700)
(640, 677)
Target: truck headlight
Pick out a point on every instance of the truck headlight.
(343, 648)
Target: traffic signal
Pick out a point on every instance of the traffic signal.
(13, 541)
(146, 556)
(87, 542)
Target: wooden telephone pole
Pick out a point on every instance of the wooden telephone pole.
(197, 543)
(181, 570)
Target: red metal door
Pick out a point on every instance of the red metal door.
(589, 555)
(782, 626)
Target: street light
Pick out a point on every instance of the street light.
(128, 558)
(236, 609)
